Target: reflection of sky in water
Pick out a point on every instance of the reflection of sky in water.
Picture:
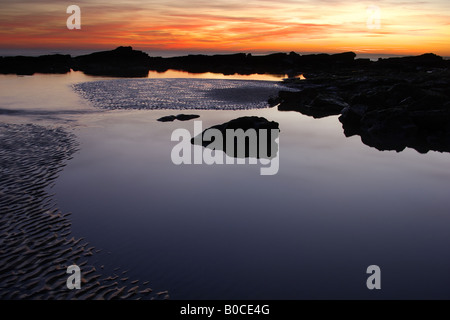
(335, 207)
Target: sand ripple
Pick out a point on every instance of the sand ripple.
(36, 245)
(209, 94)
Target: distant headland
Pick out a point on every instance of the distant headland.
(126, 62)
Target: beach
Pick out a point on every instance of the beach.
(37, 246)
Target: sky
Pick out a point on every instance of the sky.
(259, 26)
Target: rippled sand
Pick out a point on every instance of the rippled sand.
(210, 94)
(36, 245)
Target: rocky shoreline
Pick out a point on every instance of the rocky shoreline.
(401, 103)
(126, 62)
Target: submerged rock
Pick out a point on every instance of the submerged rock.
(181, 117)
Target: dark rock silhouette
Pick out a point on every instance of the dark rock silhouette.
(120, 62)
(312, 102)
(21, 65)
(413, 113)
(180, 117)
(242, 63)
(413, 63)
(126, 62)
(248, 125)
(397, 128)
(401, 104)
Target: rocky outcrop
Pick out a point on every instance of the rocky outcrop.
(21, 65)
(414, 113)
(403, 103)
(242, 63)
(413, 63)
(126, 62)
(249, 136)
(121, 62)
(312, 102)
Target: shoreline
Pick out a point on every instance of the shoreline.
(126, 62)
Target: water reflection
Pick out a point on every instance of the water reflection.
(210, 75)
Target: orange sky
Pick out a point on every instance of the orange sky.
(407, 27)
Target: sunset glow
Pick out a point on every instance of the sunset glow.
(406, 27)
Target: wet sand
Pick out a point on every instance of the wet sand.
(36, 245)
(180, 94)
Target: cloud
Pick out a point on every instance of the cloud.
(223, 24)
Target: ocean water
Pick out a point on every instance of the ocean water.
(335, 207)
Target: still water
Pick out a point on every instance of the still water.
(335, 207)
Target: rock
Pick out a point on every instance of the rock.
(167, 118)
(399, 128)
(412, 63)
(120, 62)
(388, 129)
(312, 102)
(185, 117)
(21, 65)
(242, 63)
(389, 109)
(343, 58)
(126, 62)
(247, 124)
(351, 119)
(434, 130)
(328, 103)
(180, 117)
